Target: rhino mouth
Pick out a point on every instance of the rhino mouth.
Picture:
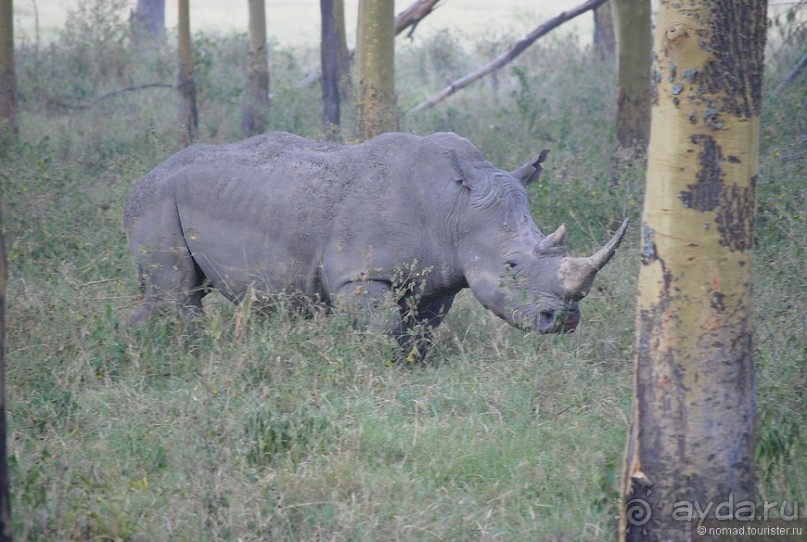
(547, 321)
(551, 321)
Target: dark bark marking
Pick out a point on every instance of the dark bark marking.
(737, 40)
(649, 253)
(734, 205)
(706, 194)
(718, 301)
(735, 218)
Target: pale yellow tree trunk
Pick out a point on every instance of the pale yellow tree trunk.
(691, 440)
(188, 113)
(8, 79)
(634, 45)
(375, 47)
(255, 100)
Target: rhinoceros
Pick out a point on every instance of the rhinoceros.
(281, 214)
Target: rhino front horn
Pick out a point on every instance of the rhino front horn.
(578, 273)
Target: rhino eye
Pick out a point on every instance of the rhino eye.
(511, 264)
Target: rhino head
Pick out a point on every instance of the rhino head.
(514, 270)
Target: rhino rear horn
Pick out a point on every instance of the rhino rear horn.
(530, 171)
(578, 273)
(556, 239)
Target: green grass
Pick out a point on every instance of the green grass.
(282, 428)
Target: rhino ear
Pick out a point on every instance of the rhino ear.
(530, 171)
(463, 174)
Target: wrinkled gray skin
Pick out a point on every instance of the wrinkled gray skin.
(281, 214)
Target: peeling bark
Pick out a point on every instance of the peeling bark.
(691, 438)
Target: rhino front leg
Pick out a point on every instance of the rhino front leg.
(370, 306)
(417, 340)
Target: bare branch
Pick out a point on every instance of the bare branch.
(797, 69)
(411, 16)
(86, 104)
(515, 50)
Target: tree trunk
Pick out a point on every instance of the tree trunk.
(634, 43)
(255, 100)
(5, 505)
(329, 59)
(189, 116)
(147, 22)
(604, 36)
(376, 104)
(345, 59)
(8, 78)
(691, 440)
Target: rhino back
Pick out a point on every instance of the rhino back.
(282, 212)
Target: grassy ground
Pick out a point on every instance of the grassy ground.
(290, 429)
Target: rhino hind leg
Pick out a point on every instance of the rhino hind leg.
(169, 276)
(178, 284)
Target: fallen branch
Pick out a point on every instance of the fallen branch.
(89, 103)
(515, 50)
(797, 69)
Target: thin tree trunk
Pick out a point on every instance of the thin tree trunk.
(604, 34)
(634, 43)
(147, 22)
(189, 116)
(345, 54)
(5, 505)
(255, 100)
(329, 59)
(376, 103)
(514, 51)
(691, 439)
(8, 77)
